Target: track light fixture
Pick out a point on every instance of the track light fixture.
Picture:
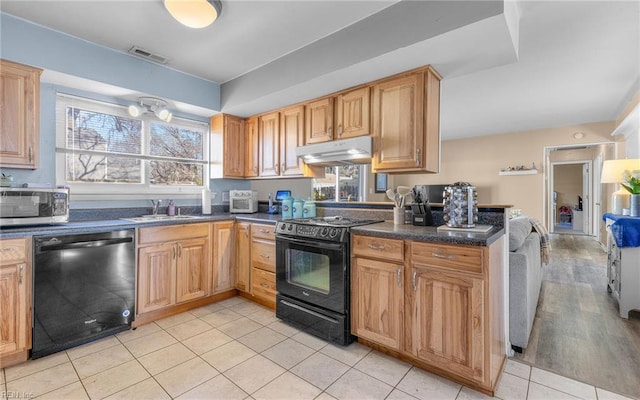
(151, 104)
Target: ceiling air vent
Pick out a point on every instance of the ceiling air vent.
(147, 55)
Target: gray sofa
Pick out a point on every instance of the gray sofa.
(525, 279)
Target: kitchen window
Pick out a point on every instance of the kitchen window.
(101, 149)
(341, 183)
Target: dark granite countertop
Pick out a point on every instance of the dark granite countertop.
(77, 227)
(429, 234)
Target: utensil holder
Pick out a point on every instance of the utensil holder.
(398, 216)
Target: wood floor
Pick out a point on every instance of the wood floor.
(577, 331)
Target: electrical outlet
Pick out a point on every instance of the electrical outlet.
(225, 197)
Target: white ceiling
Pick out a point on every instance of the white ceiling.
(507, 67)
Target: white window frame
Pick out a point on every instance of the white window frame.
(123, 191)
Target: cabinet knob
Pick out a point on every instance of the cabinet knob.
(376, 246)
(20, 273)
(418, 161)
(30, 154)
(399, 277)
(340, 130)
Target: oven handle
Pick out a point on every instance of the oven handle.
(322, 245)
(85, 244)
(315, 314)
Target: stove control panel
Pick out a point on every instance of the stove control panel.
(334, 234)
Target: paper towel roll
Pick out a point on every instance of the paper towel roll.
(206, 201)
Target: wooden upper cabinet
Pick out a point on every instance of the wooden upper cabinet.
(319, 121)
(19, 115)
(406, 123)
(227, 146)
(353, 113)
(269, 144)
(251, 148)
(291, 136)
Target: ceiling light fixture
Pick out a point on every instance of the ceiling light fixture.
(194, 13)
(151, 104)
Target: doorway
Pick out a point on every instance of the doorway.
(571, 190)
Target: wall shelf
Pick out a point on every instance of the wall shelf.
(519, 172)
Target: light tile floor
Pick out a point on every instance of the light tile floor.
(236, 349)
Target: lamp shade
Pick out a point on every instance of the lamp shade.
(612, 170)
(194, 13)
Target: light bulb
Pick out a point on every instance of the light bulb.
(135, 110)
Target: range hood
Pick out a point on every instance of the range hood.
(345, 151)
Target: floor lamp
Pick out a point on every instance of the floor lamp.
(612, 171)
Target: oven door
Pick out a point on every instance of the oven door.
(312, 271)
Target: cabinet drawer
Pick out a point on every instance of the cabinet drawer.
(263, 284)
(261, 231)
(12, 251)
(263, 255)
(457, 258)
(172, 232)
(369, 246)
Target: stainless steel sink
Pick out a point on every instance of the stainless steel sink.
(160, 217)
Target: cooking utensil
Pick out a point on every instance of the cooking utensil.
(403, 191)
(393, 196)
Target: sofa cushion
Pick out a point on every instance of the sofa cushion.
(519, 229)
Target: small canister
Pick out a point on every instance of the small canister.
(298, 205)
(309, 208)
(287, 208)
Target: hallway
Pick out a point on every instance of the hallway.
(577, 331)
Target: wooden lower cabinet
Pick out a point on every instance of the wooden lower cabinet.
(263, 264)
(15, 298)
(192, 269)
(378, 290)
(156, 277)
(447, 324)
(224, 275)
(243, 257)
(441, 309)
(174, 266)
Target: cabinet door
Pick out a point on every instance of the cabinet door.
(447, 326)
(319, 121)
(398, 124)
(234, 147)
(13, 318)
(223, 268)
(291, 136)
(251, 148)
(378, 301)
(19, 115)
(353, 113)
(192, 269)
(243, 256)
(269, 144)
(156, 277)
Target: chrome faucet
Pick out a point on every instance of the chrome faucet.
(156, 206)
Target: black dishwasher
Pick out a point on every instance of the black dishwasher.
(83, 290)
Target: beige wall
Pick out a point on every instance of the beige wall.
(478, 161)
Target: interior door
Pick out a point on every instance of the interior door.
(586, 198)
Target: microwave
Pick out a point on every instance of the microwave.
(243, 201)
(33, 206)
